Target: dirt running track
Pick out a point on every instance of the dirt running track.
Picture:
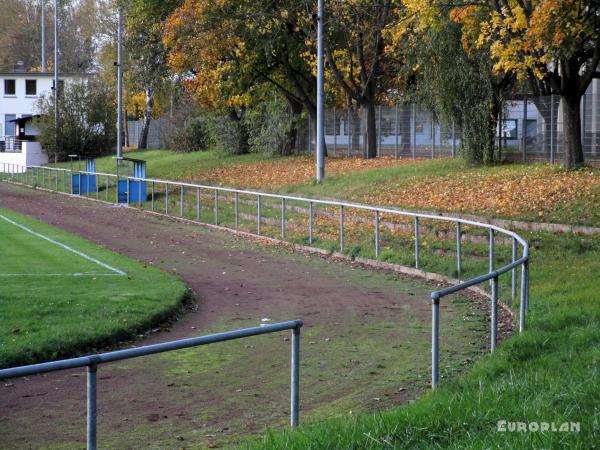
(214, 395)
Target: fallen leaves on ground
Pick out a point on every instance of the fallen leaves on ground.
(506, 192)
(275, 173)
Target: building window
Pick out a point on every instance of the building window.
(30, 87)
(9, 87)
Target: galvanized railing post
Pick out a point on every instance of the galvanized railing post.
(376, 234)
(97, 184)
(216, 207)
(458, 249)
(341, 228)
(258, 219)
(128, 191)
(181, 199)
(435, 341)
(523, 302)
(167, 199)
(295, 375)
(107, 188)
(526, 266)
(513, 272)
(494, 315)
(236, 209)
(492, 256)
(152, 193)
(91, 406)
(417, 242)
(310, 223)
(198, 211)
(283, 218)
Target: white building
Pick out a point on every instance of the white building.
(20, 92)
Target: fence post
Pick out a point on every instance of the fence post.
(309, 134)
(376, 234)
(198, 211)
(417, 242)
(167, 199)
(414, 131)
(432, 136)
(349, 131)
(458, 249)
(216, 207)
(492, 256)
(513, 272)
(283, 218)
(551, 129)
(379, 131)
(453, 139)
(396, 131)
(494, 324)
(258, 215)
(181, 199)
(152, 193)
(435, 342)
(523, 295)
(236, 210)
(341, 228)
(91, 407)
(107, 189)
(335, 132)
(524, 129)
(295, 378)
(310, 223)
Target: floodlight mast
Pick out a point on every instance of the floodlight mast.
(120, 85)
(56, 84)
(320, 95)
(43, 11)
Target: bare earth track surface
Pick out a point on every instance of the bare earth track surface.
(365, 343)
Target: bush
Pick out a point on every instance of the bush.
(87, 121)
(193, 136)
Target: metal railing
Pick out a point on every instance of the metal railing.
(10, 144)
(49, 178)
(93, 361)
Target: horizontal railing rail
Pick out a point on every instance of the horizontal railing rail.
(91, 362)
(519, 245)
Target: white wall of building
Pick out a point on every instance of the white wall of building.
(31, 154)
(20, 104)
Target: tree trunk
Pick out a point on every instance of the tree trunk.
(572, 130)
(243, 136)
(143, 141)
(371, 150)
(489, 154)
(291, 137)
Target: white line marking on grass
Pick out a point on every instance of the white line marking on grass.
(66, 247)
(60, 274)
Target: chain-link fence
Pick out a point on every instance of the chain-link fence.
(530, 129)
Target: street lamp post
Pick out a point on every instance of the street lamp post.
(320, 96)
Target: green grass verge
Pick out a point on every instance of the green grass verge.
(170, 165)
(547, 374)
(55, 303)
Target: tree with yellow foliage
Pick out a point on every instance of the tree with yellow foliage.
(555, 41)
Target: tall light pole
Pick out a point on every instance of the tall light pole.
(43, 6)
(56, 84)
(120, 85)
(320, 96)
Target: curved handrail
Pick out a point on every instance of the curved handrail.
(492, 275)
